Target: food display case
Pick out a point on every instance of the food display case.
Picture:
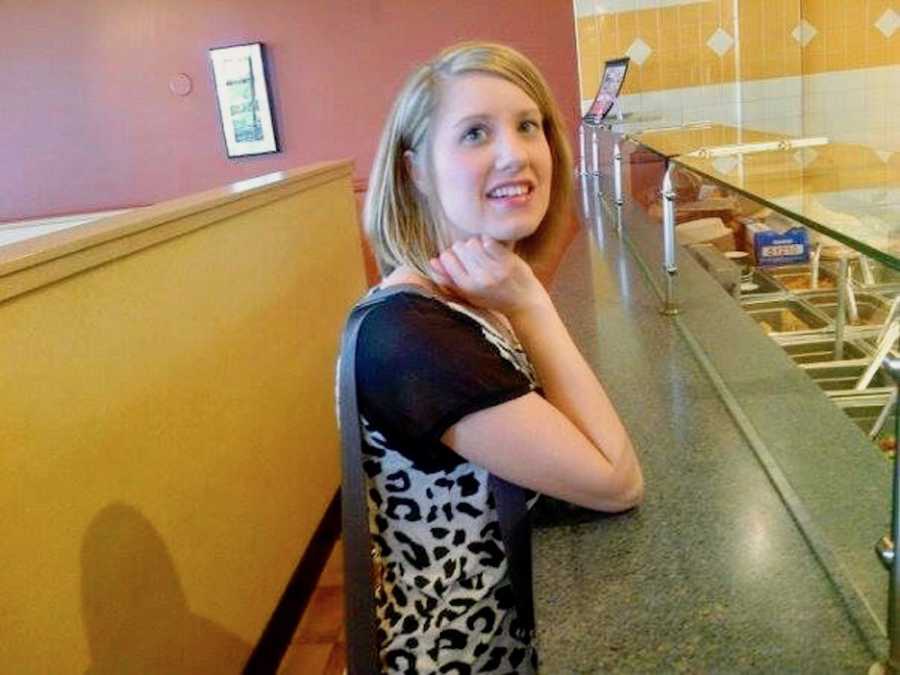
(836, 209)
(803, 236)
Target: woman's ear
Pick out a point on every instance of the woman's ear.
(416, 170)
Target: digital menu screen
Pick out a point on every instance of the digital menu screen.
(610, 86)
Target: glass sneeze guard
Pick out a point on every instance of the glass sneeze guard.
(676, 141)
(850, 193)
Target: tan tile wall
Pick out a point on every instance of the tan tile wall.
(845, 37)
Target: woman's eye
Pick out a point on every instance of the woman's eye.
(530, 126)
(474, 135)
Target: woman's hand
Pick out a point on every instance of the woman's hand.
(486, 274)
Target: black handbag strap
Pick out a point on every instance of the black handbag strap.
(359, 597)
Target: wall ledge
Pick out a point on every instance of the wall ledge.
(41, 260)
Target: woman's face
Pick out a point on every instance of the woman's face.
(491, 164)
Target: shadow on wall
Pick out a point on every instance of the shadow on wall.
(134, 608)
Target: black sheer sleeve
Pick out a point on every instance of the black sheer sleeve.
(422, 366)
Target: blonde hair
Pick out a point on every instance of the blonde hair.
(399, 221)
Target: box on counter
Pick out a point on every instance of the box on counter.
(781, 248)
(776, 241)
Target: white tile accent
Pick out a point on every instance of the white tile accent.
(639, 51)
(720, 42)
(783, 87)
(725, 165)
(728, 91)
(754, 111)
(888, 22)
(786, 106)
(617, 6)
(806, 156)
(878, 77)
(754, 90)
(804, 32)
(855, 106)
(652, 100)
(814, 124)
(584, 8)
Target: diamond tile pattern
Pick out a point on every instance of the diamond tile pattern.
(804, 32)
(725, 165)
(805, 156)
(720, 42)
(888, 22)
(639, 51)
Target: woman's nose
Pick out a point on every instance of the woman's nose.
(511, 152)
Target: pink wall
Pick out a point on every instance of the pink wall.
(87, 121)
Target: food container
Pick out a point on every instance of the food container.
(821, 350)
(798, 278)
(839, 378)
(872, 309)
(785, 315)
(864, 408)
(758, 283)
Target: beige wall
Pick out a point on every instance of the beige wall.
(168, 436)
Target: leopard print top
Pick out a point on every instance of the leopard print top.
(443, 596)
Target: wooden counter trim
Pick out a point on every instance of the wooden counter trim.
(42, 260)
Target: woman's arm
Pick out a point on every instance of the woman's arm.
(572, 444)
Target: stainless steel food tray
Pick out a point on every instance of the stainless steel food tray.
(786, 316)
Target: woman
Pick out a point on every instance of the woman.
(479, 376)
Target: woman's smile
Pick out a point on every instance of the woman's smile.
(511, 194)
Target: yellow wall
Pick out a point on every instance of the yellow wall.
(168, 438)
(677, 36)
(846, 38)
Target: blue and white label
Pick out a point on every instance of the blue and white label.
(775, 248)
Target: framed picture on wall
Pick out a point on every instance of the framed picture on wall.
(243, 93)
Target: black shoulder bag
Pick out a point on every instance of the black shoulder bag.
(359, 596)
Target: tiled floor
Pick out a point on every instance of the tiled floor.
(318, 645)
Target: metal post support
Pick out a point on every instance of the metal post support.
(595, 152)
(582, 152)
(885, 550)
(585, 196)
(598, 211)
(840, 319)
(867, 274)
(617, 174)
(617, 184)
(814, 259)
(670, 267)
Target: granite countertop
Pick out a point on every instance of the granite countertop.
(712, 574)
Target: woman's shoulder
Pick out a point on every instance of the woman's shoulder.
(410, 315)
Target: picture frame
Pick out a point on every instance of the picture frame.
(244, 98)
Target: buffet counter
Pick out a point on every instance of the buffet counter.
(753, 551)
